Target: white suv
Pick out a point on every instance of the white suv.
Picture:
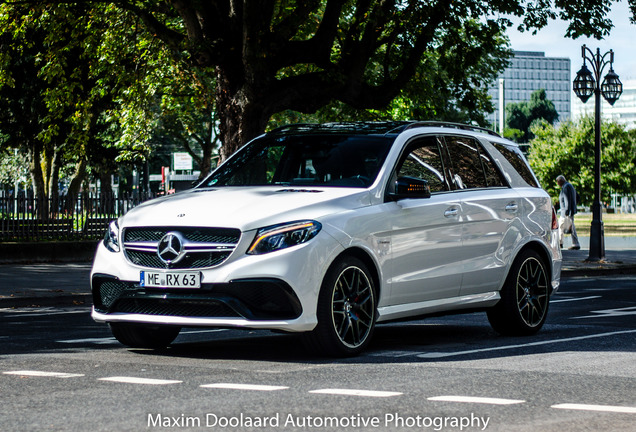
(329, 229)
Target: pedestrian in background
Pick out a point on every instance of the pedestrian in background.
(567, 201)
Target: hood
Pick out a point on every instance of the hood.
(244, 208)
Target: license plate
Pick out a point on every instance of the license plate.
(170, 279)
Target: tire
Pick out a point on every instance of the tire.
(346, 311)
(144, 336)
(525, 297)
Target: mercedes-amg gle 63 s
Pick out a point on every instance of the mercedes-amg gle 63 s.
(327, 230)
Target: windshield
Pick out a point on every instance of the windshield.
(305, 160)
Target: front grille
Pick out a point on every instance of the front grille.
(190, 261)
(204, 247)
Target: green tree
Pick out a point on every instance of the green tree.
(278, 55)
(51, 93)
(450, 87)
(521, 116)
(103, 80)
(13, 168)
(85, 84)
(569, 150)
(177, 108)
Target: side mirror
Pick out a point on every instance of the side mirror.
(410, 188)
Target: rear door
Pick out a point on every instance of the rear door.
(490, 215)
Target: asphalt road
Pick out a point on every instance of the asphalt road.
(61, 371)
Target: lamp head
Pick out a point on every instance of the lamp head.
(584, 84)
(612, 87)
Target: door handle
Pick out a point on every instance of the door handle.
(451, 212)
(512, 208)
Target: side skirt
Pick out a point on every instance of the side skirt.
(437, 307)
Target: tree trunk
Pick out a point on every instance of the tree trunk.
(53, 180)
(208, 145)
(75, 186)
(35, 169)
(106, 195)
(242, 117)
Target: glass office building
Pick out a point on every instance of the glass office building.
(528, 72)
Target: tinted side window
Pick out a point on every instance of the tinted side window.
(423, 160)
(465, 163)
(493, 178)
(472, 167)
(518, 162)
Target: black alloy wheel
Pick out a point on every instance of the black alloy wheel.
(525, 297)
(346, 310)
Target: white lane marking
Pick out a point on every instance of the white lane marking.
(43, 374)
(472, 399)
(600, 408)
(134, 380)
(253, 387)
(352, 392)
(434, 355)
(575, 299)
(606, 313)
(98, 341)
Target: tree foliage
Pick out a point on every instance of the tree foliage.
(84, 85)
(54, 82)
(278, 55)
(450, 84)
(569, 150)
(92, 81)
(520, 116)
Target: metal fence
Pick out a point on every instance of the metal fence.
(81, 217)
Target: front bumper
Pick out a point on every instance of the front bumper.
(277, 291)
(252, 299)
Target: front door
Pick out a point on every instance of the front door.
(426, 232)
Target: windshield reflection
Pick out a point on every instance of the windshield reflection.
(305, 160)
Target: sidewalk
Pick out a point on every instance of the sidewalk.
(616, 262)
(65, 284)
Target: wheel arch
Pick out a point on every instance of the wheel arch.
(543, 252)
(368, 260)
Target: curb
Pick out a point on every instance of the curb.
(609, 271)
(47, 252)
(46, 301)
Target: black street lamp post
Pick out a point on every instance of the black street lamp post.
(585, 84)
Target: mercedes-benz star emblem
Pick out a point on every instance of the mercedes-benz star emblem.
(170, 248)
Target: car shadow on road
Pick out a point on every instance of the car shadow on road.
(438, 340)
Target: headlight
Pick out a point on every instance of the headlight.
(277, 237)
(111, 239)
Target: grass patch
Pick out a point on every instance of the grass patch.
(615, 224)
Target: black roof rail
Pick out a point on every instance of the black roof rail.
(362, 127)
(434, 123)
(370, 127)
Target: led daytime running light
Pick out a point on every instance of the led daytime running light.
(266, 233)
